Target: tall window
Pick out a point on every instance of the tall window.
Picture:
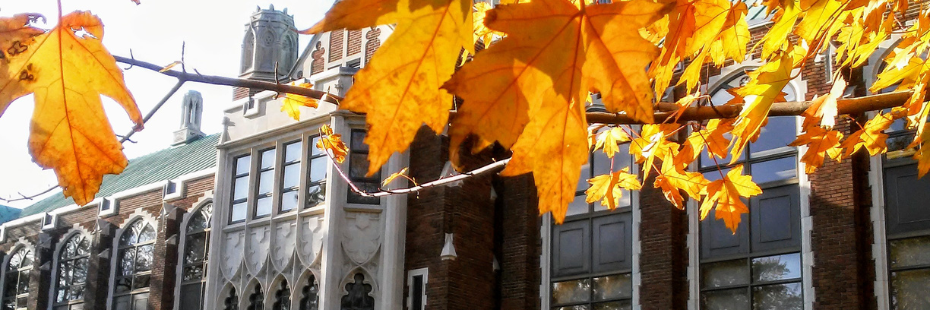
(759, 266)
(16, 279)
(257, 298)
(290, 185)
(358, 168)
(240, 189)
(72, 273)
(591, 261)
(263, 197)
(282, 297)
(196, 254)
(134, 266)
(357, 297)
(310, 295)
(316, 184)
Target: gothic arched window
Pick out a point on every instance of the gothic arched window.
(134, 265)
(310, 299)
(194, 261)
(282, 298)
(16, 279)
(232, 301)
(72, 272)
(257, 298)
(357, 297)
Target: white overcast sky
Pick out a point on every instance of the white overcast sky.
(154, 32)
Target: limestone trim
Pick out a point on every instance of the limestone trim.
(424, 272)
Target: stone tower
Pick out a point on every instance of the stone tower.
(270, 40)
(191, 113)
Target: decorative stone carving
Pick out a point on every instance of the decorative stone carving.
(361, 236)
(311, 239)
(257, 252)
(284, 242)
(232, 253)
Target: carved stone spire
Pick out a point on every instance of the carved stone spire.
(191, 113)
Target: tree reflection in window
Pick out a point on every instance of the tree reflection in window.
(232, 301)
(72, 271)
(134, 265)
(310, 299)
(358, 297)
(316, 177)
(196, 254)
(282, 298)
(16, 280)
(257, 298)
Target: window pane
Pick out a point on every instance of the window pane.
(613, 287)
(314, 151)
(267, 159)
(366, 187)
(909, 289)
(126, 261)
(316, 194)
(147, 234)
(242, 188)
(583, 177)
(242, 164)
(578, 307)
(714, 175)
(778, 133)
(318, 169)
(197, 223)
(263, 207)
(140, 282)
(616, 305)
(358, 141)
(265, 182)
(196, 246)
(571, 291)
(727, 273)
(291, 176)
(145, 258)
(123, 284)
(735, 299)
(577, 206)
(238, 212)
(774, 170)
(778, 297)
(292, 151)
(358, 166)
(288, 201)
(194, 272)
(775, 268)
(910, 252)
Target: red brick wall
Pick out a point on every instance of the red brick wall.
(354, 42)
(521, 243)
(373, 43)
(336, 43)
(663, 260)
(316, 65)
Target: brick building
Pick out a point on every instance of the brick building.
(256, 218)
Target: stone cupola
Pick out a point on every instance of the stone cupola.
(191, 113)
(270, 39)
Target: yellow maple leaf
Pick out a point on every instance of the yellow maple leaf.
(651, 143)
(610, 141)
(765, 84)
(481, 31)
(923, 153)
(292, 103)
(16, 33)
(819, 141)
(872, 135)
(67, 74)
(725, 194)
(332, 143)
(609, 187)
(822, 111)
(673, 178)
(393, 176)
(399, 89)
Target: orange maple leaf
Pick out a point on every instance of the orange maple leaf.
(872, 135)
(332, 143)
(69, 130)
(765, 84)
(292, 103)
(819, 141)
(725, 194)
(399, 89)
(609, 187)
(923, 153)
(16, 33)
(673, 178)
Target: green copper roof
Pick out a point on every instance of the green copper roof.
(8, 213)
(162, 165)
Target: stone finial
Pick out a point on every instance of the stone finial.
(191, 114)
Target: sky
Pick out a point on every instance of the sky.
(154, 32)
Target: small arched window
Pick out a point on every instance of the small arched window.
(358, 297)
(72, 271)
(282, 298)
(134, 266)
(232, 301)
(257, 298)
(194, 261)
(16, 279)
(310, 295)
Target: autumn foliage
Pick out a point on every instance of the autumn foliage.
(528, 90)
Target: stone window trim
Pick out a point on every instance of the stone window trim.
(21, 245)
(281, 296)
(182, 243)
(421, 272)
(56, 258)
(545, 258)
(138, 215)
(799, 86)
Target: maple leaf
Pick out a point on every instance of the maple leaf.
(610, 141)
(650, 144)
(16, 33)
(819, 141)
(481, 31)
(292, 103)
(67, 74)
(725, 194)
(822, 111)
(332, 143)
(390, 178)
(923, 153)
(399, 89)
(765, 84)
(872, 135)
(609, 187)
(673, 178)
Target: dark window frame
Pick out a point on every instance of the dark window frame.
(82, 252)
(232, 194)
(24, 260)
(258, 182)
(134, 247)
(284, 165)
(186, 279)
(365, 182)
(315, 155)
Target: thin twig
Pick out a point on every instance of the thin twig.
(24, 197)
(155, 109)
